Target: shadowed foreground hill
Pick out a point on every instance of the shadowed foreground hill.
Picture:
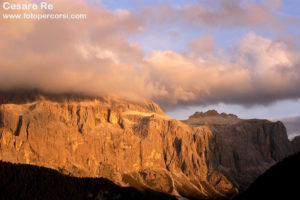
(19, 181)
(279, 182)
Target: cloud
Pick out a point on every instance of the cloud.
(218, 13)
(90, 55)
(235, 13)
(272, 65)
(190, 78)
(259, 71)
(203, 45)
(93, 56)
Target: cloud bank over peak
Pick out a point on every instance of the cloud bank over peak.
(94, 56)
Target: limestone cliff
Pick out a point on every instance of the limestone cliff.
(135, 144)
(244, 149)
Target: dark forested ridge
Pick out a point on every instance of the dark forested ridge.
(18, 181)
(279, 182)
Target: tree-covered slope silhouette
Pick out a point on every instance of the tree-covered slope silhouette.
(20, 181)
(279, 182)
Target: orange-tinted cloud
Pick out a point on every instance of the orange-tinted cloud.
(94, 56)
(203, 45)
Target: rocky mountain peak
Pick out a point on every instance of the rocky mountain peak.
(211, 113)
(211, 117)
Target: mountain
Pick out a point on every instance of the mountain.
(19, 181)
(296, 143)
(244, 149)
(279, 182)
(208, 156)
(211, 117)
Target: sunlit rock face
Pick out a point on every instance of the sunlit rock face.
(136, 144)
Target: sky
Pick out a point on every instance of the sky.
(235, 56)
